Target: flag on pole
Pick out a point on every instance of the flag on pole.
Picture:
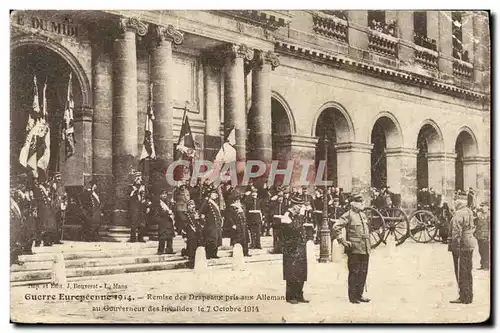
(43, 140)
(226, 154)
(148, 147)
(68, 132)
(186, 145)
(28, 154)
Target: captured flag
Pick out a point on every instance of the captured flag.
(43, 141)
(148, 147)
(28, 154)
(68, 131)
(186, 145)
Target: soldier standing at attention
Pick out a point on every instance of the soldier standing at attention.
(357, 244)
(236, 221)
(461, 246)
(193, 231)
(483, 235)
(294, 250)
(165, 220)
(211, 214)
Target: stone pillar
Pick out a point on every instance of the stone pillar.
(435, 163)
(102, 161)
(357, 31)
(353, 166)
(449, 177)
(433, 25)
(234, 95)
(163, 82)
(483, 179)
(125, 114)
(402, 175)
(481, 49)
(405, 34)
(261, 128)
(468, 33)
(471, 165)
(445, 46)
(211, 83)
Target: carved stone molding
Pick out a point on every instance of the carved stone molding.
(240, 51)
(169, 33)
(133, 24)
(268, 57)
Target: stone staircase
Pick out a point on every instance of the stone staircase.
(106, 258)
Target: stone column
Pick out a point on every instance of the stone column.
(445, 46)
(481, 48)
(435, 162)
(102, 163)
(449, 176)
(357, 30)
(433, 25)
(125, 114)
(211, 80)
(234, 95)
(353, 166)
(402, 175)
(468, 33)
(163, 81)
(261, 125)
(483, 179)
(405, 34)
(471, 165)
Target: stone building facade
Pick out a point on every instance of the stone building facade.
(282, 79)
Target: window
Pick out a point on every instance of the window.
(376, 21)
(420, 31)
(458, 48)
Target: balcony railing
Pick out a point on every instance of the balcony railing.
(425, 42)
(383, 43)
(426, 57)
(462, 69)
(330, 26)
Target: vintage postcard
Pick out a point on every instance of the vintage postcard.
(250, 166)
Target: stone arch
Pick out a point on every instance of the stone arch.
(62, 51)
(469, 140)
(286, 107)
(345, 132)
(433, 135)
(385, 135)
(430, 166)
(392, 129)
(466, 168)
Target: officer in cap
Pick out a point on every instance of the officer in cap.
(357, 244)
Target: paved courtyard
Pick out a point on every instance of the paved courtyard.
(413, 283)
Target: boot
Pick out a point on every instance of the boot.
(170, 249)
(161, 247)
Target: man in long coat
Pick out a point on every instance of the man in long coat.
(294, 250)
(461, 246)
(165, 221)
(278, 209)
(212, 230)
(483, 235)
(137, 209)
(93, 213)
(357, 244)
(193, 231)
(253, 205)
(236, 221)
(46, 213)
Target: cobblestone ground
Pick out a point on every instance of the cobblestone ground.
(411, 284)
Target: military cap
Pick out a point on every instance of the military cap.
(356, 197)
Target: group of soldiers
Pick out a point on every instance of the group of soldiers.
(38, 212)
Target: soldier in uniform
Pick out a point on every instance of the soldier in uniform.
(236, 222)
(16, 229)
(212, 216)
(335, 211)
(278, 208)
(46, 213)
(264, 196)
(461, 246)
(180, 198)
(357, 244)
(25, 200)
(253, 207)
(59, 199)
(165, 221)
(482, 234)
(294, 250)
(93, 213)
(193, 231)
(138, 205)
(317, 205)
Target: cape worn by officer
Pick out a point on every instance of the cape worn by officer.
(357, 244)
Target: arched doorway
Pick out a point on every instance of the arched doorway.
(465, 174)
(281, 135)
(28, 60)
(429, 141)
(333, 126)
(385, 134)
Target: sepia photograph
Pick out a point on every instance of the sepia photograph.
(250, 166)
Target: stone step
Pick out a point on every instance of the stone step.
(164, 263)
